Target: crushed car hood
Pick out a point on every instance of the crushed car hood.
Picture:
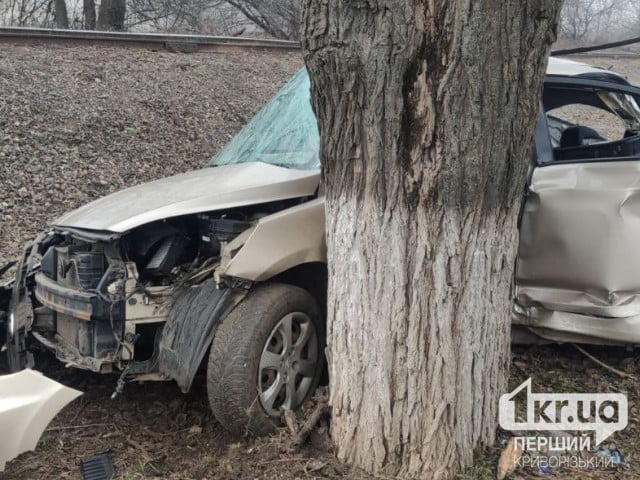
(203, 190)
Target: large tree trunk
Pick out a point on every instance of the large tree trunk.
(60, 14)
(426, 113)
(89, 13)
(111, 15)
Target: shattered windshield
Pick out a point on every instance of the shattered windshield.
(283, 133)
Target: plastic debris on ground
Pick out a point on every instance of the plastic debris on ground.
(544, 469)
(28, 402)
(98, 467)
(611, 451)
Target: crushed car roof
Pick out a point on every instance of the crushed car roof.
(561, 66)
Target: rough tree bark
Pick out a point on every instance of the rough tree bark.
(426, 111)
(60, 14)
(111, 15)
(89, 13)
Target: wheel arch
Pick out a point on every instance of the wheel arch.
(312, 277)
(187, 335)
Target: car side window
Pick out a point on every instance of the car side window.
(578, 125)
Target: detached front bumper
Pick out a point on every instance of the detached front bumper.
(29, 402)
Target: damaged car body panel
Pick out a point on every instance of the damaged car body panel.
(28, 403)
(579, 239)
(576, 273)
(279, 242)
(577, 253)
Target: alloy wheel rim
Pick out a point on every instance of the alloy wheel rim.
(288, 364)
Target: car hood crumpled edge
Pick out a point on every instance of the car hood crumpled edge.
(193, 192)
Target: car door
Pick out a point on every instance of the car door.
(579, 250)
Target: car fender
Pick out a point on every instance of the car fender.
(277, 243)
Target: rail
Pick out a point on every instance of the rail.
(158, 41)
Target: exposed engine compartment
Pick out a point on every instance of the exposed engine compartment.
(160, 248)
(100, 299)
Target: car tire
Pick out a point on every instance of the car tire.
(267, 355)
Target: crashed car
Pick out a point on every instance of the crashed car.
(229, 261)
(224, 266)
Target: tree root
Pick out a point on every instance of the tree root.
(300, 434)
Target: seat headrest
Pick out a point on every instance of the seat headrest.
(575, 136)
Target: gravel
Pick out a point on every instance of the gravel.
(79, 123)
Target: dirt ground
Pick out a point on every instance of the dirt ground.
(156, 432)
(76, 124)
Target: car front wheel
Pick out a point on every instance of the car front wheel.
(267, 356)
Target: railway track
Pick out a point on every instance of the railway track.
(186, 43)
(153, 41)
